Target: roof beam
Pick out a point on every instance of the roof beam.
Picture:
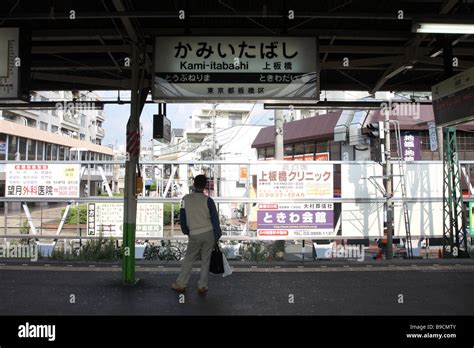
(74, 79)
(337, 64)
(81, 49)
(394, 69)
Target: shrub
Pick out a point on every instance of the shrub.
(72, 216)
(167, 213)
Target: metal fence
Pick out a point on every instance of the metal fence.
(233, 187)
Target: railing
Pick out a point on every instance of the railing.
(184, 147)
(240, 208)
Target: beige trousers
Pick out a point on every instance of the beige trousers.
(198, 245)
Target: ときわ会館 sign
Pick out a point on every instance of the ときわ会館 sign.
(42, 180)
(235, 68)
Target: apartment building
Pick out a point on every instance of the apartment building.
(62, 133)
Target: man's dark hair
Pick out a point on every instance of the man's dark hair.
(200, 182)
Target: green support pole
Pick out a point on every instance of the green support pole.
(454, 236)
(130, 198)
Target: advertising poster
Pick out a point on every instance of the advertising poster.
(106, 219)
(42, 180)
(295, 220)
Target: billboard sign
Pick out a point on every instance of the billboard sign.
(42, 180)
(295, 220)
(106, 219)
(433, 136)
(295, 180)
(235, 68)
(411, 146)
(453, 99)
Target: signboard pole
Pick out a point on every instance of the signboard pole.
(388, 187)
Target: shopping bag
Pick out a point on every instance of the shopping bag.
(217, 262)
(227, 269)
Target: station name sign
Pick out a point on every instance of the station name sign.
(453, 99)
(235, 69)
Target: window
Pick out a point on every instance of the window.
(47, 156)
(82, 136)
(61, 153)
(322, 146)
(22, 148)
(54, 128)
(300, 149)
(12, 147)
(43, 126)
(66, 153)
(288, 151)
(31, 149)
(3, 146)
(269, 152)
(83, 121)
(40, 151)
(54, 152)
(235, 119)
(261, 153)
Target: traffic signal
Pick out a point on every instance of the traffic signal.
(376, 130)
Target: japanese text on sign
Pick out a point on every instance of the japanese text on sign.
(295, 181)
(295, 220)
(106, 219)
(42, 180)
(231, 67)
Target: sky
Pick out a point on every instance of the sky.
(116, 116)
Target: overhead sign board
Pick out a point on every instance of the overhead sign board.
(14, 65)
(235, 68)
(453, 99)
(42, 180)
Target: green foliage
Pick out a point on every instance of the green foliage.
(72, 216)
(262, 251)
(114, 194)
(25, 229)
(153, 186)
(167, 213)
(98, 249)
(92, 250)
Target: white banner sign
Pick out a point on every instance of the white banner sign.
(106, 219)
(295, 180)
(235, 68)
(42, 180)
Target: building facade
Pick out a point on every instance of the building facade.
(62, 133)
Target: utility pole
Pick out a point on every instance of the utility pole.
(278, 136)
(280, 244)
(388, 186)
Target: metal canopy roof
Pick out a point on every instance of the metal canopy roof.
(88, 52)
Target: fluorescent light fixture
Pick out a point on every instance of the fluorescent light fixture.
(444, 28)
